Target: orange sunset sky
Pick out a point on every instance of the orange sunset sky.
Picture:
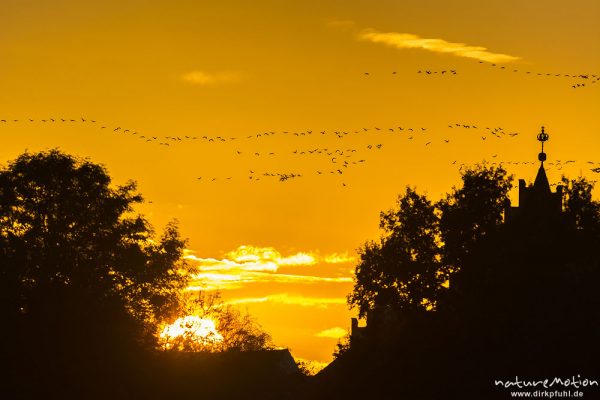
(291, 124)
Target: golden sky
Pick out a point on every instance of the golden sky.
(389, 93)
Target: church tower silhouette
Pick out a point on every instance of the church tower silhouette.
(537, 202)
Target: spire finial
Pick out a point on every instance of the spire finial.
(542, 137)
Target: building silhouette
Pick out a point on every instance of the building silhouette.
(537, 202)
(525, 302)
(538, 208)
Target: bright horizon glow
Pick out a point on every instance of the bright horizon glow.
(194, 328)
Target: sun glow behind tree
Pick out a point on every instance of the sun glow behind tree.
(207, 324)
(201, 333)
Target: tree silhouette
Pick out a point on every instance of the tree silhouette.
(580, 208)
(424, 244)
(82, 278)
(471, 211)
(402, 270)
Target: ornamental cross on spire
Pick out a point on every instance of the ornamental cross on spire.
(542, 137)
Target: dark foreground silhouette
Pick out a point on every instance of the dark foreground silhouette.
(457, 295)
(471, 291)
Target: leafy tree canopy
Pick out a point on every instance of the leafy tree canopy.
(402, 269)
(75, 261)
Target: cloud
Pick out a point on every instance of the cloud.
(284, 298)
(251, 258)
(207, 79)
(332, 333)
(225, 264)
(269, 255)
(216, 280)
(250, 264)
(336, 258)
(410, 41)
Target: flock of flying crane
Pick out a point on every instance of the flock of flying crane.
(339, 159)
(577, 80)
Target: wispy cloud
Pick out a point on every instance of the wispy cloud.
(251, 258)
(253, 254)
(249, 264)
(336, 258)
(333, 333)
(216, 280)
(284, 298)
(207, 79)
(410, 41)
